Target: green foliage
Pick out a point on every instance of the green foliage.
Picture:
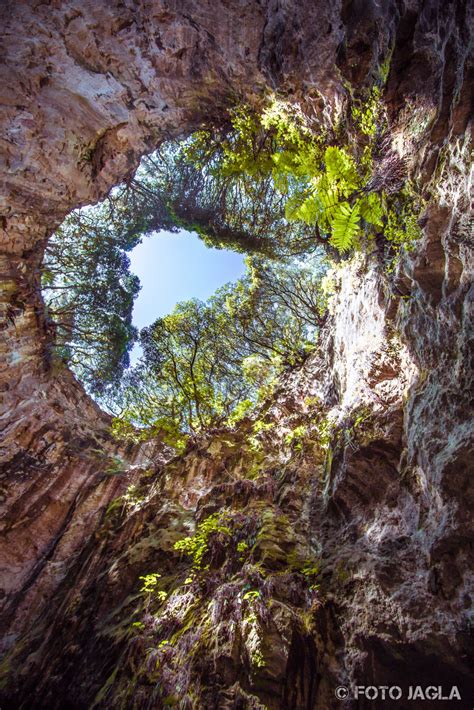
(163, 429)
(128, 502)
(345, 226)
(325, 432)
(150, 582)
(242, 548)
(360, 416)
(402, 228)
(252, 603)
(311, 571)
(296, 437)
(241, 410)
(251, 595)
(367, 115)
(257, 659)
(325, 184)
(89, 293)
(123, 430)
(150, 587)
(219, 184)
(260, 425)
(208, 363)
(196, 546)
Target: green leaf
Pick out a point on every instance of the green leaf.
(340, 166)
(308, 211)
(371, 209)
(345, 226)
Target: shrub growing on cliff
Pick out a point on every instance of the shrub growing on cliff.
(268, 181)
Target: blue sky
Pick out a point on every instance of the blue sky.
(176, 267)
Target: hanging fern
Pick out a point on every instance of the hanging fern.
(308, 211)
(372, 209)
(347, 190)
(345, 226)
(340, 167)
(329, 197)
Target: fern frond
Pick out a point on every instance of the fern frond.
(345, 226)
(292, 206)
(371, 209)
(327, 196)
(308, 212)
(341, 167)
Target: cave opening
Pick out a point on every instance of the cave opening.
(174, 267)
(209, 345)
(269, 181)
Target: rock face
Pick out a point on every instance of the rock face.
(345, 552)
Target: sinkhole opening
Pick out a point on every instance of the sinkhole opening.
(230, 232)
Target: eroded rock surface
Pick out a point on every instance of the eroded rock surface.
(362, 467)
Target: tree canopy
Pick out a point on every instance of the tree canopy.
(206, 358)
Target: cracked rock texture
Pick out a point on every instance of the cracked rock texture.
(354, 501)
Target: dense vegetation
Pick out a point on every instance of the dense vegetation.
(89, 293)
(208, 362)
(268, 182)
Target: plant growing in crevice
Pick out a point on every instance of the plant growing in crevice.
(295, 438)
(150, 589)
(311, 571)
(252, 606)
(196, 546)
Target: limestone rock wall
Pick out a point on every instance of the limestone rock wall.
(375, 487)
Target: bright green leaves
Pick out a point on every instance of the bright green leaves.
(372, 209)
(326, 204)
(247, 150)
(345, 226)
(367, 115)
(149, 588)
(196, 546)
(323, 179)
(341, 170)
(288, 124)
(149, 583)
(321, 186)
(404, 230)
(270, 181)
(307, 211)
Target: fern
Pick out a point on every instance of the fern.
(308, 211)
(340, 167)
(345, 226)
(316, 181)
(292, 207)
(372, 210)
(327, 198)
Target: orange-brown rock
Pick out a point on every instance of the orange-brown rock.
(382, 503)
